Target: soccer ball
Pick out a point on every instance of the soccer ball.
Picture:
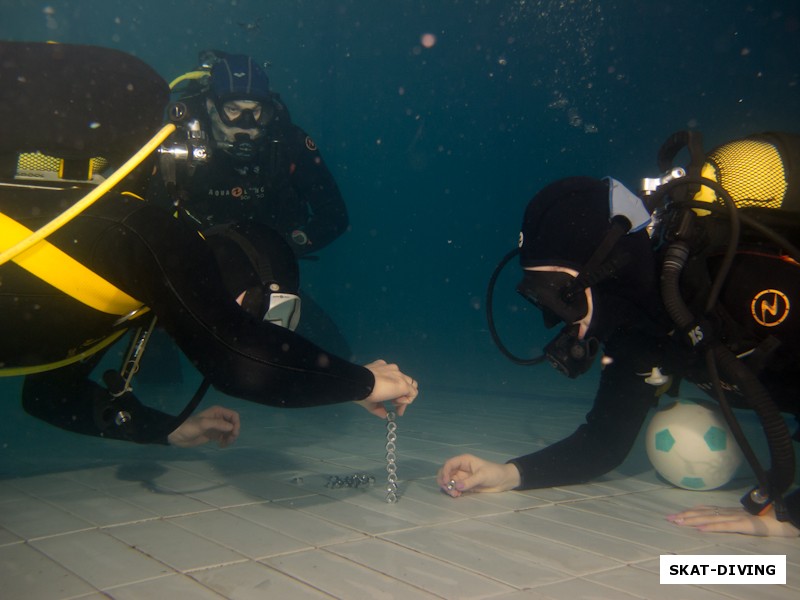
(690, 445)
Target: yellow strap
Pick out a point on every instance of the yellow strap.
(63, 272)
(17, 371)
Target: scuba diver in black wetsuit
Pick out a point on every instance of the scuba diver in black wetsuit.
(80, 266)
(254, 166)
(711, 296)
(260, 166)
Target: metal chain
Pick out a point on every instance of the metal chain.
(365, 480)
(391, 458)
(350, 481)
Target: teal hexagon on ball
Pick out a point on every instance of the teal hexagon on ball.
(716, 438)
(664, 440)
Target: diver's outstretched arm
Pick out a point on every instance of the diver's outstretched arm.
(158, 260)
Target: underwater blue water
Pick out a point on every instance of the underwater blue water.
(439, 142)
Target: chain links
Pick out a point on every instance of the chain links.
(391, 458)
(358, 480)
(350, 481)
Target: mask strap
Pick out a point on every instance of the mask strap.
(597, 268)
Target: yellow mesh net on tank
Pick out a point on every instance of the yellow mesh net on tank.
(35, 165)
(751, 171)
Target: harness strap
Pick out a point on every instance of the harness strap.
(52, 265)
(78, 356)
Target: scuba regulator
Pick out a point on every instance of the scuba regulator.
(186, 149)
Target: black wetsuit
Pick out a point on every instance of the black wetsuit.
(287, 186)
(155, 258)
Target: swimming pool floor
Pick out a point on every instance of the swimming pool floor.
(89, 518)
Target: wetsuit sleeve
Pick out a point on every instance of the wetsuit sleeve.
(316, 186)
(603, 441)
(160, 261)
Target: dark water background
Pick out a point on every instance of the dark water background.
(438, 149)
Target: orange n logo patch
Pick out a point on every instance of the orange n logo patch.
(770, 307)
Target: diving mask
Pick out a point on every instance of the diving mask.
(243, 114)
(237, 126)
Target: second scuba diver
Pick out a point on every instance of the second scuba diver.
(248, 162)
(710, 298)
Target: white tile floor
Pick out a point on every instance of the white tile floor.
(87, 518)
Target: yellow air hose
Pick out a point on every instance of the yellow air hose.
(90, 198)
(191, 75)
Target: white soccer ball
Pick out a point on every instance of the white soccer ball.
(690, 445)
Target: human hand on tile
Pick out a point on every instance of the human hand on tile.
(468, 473)
(217, 424)
(733, 520)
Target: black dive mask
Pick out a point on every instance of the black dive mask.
(246, 119)
(555, 294)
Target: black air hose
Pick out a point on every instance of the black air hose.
(490, 316)
(674, 260)
(782, 459)
(780, 446)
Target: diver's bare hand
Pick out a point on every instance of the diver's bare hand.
(391, 385)
(733, 520)
(468, 473)
(215, 424)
